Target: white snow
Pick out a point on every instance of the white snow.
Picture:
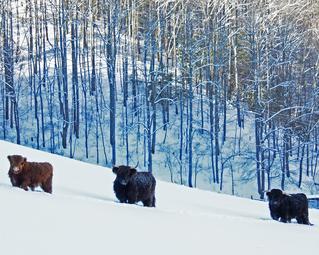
(82, 216)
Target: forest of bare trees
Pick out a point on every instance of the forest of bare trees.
(226, 90)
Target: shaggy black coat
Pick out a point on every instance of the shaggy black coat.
(120, 191)
(285, 207)
(131, 186)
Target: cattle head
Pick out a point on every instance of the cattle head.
(123, 174)
(17, 163)
(275, 197)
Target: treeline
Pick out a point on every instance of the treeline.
(156, 82)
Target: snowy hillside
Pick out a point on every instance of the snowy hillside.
(82, 216)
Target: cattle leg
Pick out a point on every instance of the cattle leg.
(153, 202)
(132, 196)
(148, 202)
(47, 185)
(305, 220)
(284, 219)
(132, 199)
(274, 216)
(299, 220)
(25, 185)
(14, 183)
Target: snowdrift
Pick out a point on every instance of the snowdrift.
(82, 216)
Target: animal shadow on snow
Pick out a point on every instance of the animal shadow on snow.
(84, 194)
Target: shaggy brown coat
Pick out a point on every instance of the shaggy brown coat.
(25, 174)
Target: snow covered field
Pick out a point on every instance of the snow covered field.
(82, 216)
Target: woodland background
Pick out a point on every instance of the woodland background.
(221, 95)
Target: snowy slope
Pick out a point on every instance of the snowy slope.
(82, 216)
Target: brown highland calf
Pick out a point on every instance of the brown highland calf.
(25, 174)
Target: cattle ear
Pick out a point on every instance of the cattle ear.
(9, 158)
(24, 160)
(268, 193)
(115, 169)
(133, 171)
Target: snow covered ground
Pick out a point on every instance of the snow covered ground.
(82, 216)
